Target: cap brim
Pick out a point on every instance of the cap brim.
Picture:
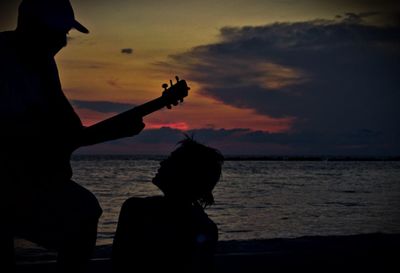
(79, 27)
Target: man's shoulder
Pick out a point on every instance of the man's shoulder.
(148, 199)
(202, 220)
(7, 43)
(6, 38)
(143, 202)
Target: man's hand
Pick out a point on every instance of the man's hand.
(124, 127)
(137, 126)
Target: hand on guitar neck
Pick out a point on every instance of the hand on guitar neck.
(130, 123)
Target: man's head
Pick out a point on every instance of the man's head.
(190, 172)
(48, 20)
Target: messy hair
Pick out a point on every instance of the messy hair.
(202, 165)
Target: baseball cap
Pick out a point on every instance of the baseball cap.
(55, 14)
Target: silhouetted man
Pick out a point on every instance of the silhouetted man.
(38, 131)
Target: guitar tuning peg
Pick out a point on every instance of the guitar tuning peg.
(177, 78)
(181, 100)
(169, 106)
(170, 81)
(165, 86)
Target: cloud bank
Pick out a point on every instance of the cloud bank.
(336, 77)
(338, 80)
(247, 142)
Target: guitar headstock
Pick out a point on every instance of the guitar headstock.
(175, 93)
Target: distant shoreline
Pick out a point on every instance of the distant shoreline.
(78, 157)
(311, 158)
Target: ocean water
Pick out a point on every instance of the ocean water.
(263, 199)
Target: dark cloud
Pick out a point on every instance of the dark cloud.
(361, 142)
(390, 18)
(103, 106)
(127, 51)
(336, 77)
(162, 135)
(356, 18)
(246, 141)
(113, 83)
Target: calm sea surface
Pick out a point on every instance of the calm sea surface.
(264, 199)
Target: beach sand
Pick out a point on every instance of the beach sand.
(354, 253)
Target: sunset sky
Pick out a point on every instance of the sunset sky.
(267, 77)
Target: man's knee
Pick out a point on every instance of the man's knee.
(84, 203)
(91, 207)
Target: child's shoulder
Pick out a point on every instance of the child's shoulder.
(143, 202)
(202, 220)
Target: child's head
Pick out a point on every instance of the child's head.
(190, 172)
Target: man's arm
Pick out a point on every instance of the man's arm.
(110, 129)
(130, 122)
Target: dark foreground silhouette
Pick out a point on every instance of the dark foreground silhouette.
(354, 253)
(39, 132)
(172, 233)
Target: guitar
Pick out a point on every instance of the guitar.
(114, 127)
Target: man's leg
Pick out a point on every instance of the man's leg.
(64, 218)
(7, 256)
(82, 213)
(7, 210)
(77, 247)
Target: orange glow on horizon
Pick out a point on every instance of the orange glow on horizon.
(179, 126)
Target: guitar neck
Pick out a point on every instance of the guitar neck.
(145, 109)
(124, 118)
(116, 126)
(111, 128)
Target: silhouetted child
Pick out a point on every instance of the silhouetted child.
(172, 232)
